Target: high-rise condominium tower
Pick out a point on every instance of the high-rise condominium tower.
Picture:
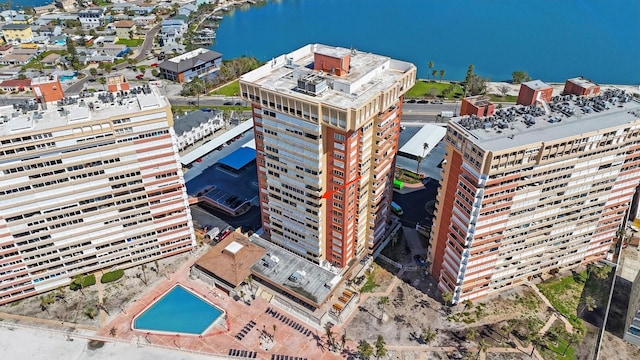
(533, 189)
(327, 121)
(87, 183)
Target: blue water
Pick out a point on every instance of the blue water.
(178, 311)
(550, 39)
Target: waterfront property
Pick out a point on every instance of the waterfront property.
(535, 189)
(179, 311)
(200, 63)
(327, 121)
(88, 183)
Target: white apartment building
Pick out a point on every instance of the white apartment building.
(87, 184)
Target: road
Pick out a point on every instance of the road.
(146, 46)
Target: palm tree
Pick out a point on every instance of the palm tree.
(381, 350)
(382, 302)
(434, 73)
(343, 339)
(274, 332)
(425, 147)
(144, 273)
(537, 340)
(196, 85)
(113, 331)
(447, 297)
(428, 335)
(329, 333)
(365, 350)
(78, 280)
(468, 304)
(589, 304)
(419, 159)
(431, 65)
(574, 337)
(471, 334)
(442, 72)
(482, 346)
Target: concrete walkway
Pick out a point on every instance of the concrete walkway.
(566, 322)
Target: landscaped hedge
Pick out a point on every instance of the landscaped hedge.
(112, 276)
(83, 282)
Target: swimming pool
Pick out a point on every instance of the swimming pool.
(178, 311)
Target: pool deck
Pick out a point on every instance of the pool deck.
(220, 339)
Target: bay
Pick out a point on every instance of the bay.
(550, 39)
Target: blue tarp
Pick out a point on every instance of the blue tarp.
(239, 158)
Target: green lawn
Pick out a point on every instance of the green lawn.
(434, 89)
(231, 89)
(565, 293)
(130, 42)
(370, 284)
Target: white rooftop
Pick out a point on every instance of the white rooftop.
(369, 75)
(89, 108)
(429, 134)
(233, 247)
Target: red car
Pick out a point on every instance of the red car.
(140, 76)
(154, 64)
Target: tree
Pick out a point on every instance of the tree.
(428, 335)
(343, 339)
(381, 350)
(193, 87)
(102, 80)
(504, 89)
(71, 49)
(537, 340)
(588, 304)
(442, 72)
(482, 346)
(273, 335)
(419, 159)
(431, 65)
(93, 71)
(365, 350)
(469, 75)
(382, 302)
(447, 297)
(600, 272)
(329, 333)
(574, 337)
(90, 312)
(79, 283)
(434, 73)
(471, 334)
(468, 304)
(155, 72)
(113, 331)
(520, 76)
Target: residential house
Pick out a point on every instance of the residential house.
(125, 29)
(106, 39)
(66, 5)
(58, 40)
(196, 125)
(16, 85)
(17, 33)
(173, 29)
(196, 63)
(142, 21)
(44, 9)
(187, 9)
(19, 57)
(131, 8)
(91, 18)
(51, 59)
(6, 49)
(22, 19)
(116, 50)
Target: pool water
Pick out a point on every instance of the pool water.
(178, 311)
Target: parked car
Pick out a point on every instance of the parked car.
(419, 260)
(436, 102)
(154, 64)
(140, 76)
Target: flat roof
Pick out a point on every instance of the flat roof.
(369, 75)
(215, 142)
(564, 116)
(294, 273)
(536, 85)
(89, 108)
(239, 158)
(429, 134)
